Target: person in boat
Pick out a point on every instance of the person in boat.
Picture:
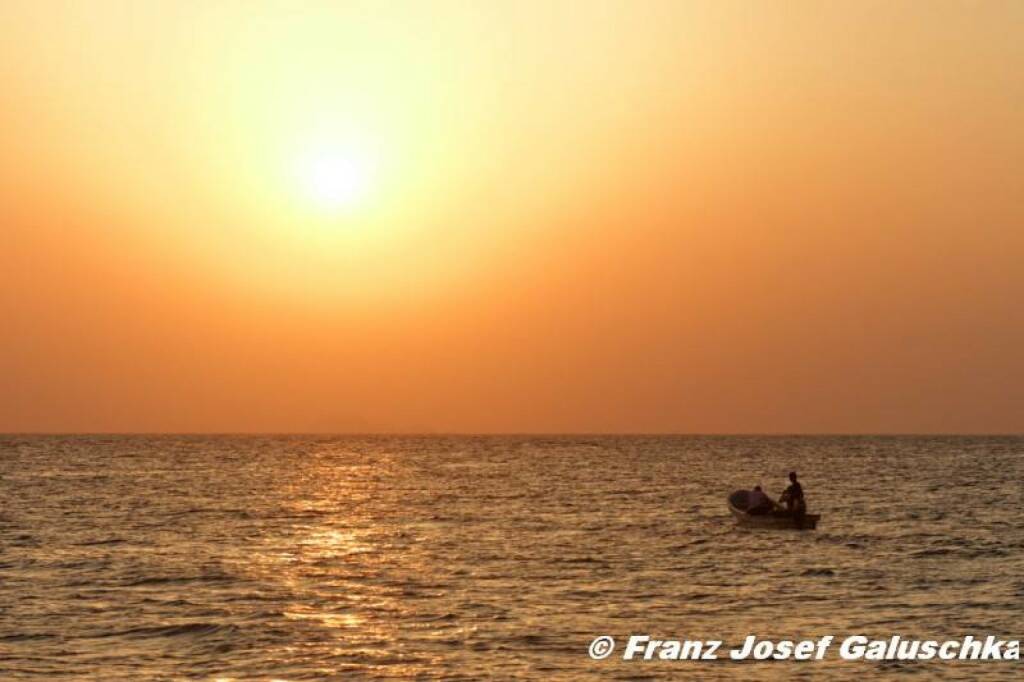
(759, 504)
(793, 498)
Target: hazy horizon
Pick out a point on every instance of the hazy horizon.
(662, 217)
(518, 434)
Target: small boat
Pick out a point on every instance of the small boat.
(738, 506)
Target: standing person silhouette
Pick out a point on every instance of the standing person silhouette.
(793, 498)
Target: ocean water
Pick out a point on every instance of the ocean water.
(292, 558)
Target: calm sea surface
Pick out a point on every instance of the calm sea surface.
(493, 557)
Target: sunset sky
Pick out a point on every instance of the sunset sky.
(512, 216)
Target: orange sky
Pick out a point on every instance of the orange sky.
(563, 217)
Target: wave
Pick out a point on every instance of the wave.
(165, 580)
(200, 629)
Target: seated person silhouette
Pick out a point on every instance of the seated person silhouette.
(759, 504)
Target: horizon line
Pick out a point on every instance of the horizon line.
(637, 434)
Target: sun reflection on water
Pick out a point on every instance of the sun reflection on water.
(330, 620)
(347, 577)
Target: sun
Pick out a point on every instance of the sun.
(335, 177)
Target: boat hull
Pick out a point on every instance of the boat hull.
(737, 506)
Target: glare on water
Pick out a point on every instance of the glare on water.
(468, 558)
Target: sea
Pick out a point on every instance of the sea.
(496, 557)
